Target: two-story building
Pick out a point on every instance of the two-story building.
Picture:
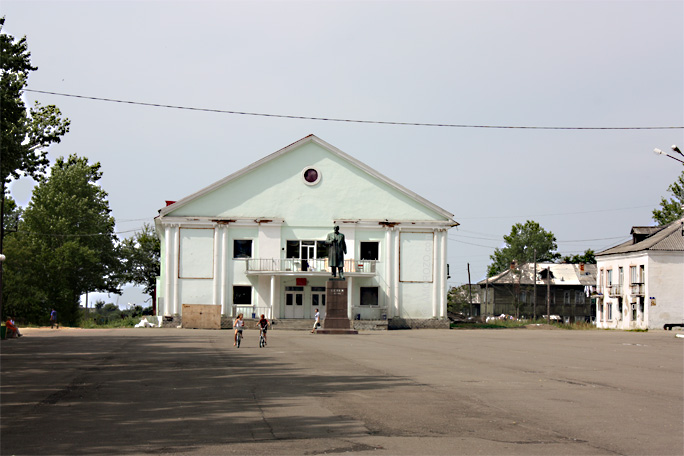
(254, 242)
(562, 290)
(641, 282)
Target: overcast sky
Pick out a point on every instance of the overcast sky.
(480, 63)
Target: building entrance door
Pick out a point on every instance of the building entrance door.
(306, 253)
(318, 302)
(294, 302)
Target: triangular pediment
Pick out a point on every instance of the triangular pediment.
(339, 187)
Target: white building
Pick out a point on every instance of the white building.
(252, 242)
(641, 282)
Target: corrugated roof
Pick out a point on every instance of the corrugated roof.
(562, 274)
(664, 238)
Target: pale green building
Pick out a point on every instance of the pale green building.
(253, 242)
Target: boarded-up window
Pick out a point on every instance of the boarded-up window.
(196, 253)
(416, 257)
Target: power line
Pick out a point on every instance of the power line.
(332, 119)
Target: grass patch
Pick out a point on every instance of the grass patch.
(128, 322)
(504, 324)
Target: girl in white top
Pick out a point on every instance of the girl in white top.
(316, 321)
(238, 325)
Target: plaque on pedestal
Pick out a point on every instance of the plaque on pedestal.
(336, 319)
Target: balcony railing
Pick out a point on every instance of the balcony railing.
(615, 290)
(311, 265)
(637, 289)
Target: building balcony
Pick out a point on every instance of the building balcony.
(637, 289)
(615, 290)
(310, 267)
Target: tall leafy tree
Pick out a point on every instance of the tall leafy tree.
(140, 259)
(588, 257)
(671, 210)
(25, 134)
(521, 245)
(65, 246)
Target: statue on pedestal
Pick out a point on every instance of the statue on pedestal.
(336, 250)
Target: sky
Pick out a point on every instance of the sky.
(476, 64)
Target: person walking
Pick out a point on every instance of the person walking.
(53, 319)
(317, 321)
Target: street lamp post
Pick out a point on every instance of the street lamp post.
(674, 148)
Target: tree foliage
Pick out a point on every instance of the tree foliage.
(671, 210)
(521, 245)
(140, 259)
(588, 257)
(25, 133)
(65, 245)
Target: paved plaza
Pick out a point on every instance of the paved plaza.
(490, 392)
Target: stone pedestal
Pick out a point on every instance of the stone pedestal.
(336, 318)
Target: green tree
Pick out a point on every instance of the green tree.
(13, 214)
(25, 134)
(521, 245)
(458, 298)
(140, 259)
(65, 245)
(588, 257)
(671, 210)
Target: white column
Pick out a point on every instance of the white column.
(388, 272)
(350, 296)
(272, 298)
(224, 260)
(443, 276)
(216, 269)
(435, 273)
(396, 276)
(176, 259)
(168, 266)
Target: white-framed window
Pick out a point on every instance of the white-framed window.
(242, 248)
(242, 294)
(369, 296)
(633, 275)
(369, 250)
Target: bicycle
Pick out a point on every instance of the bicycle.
(262, 338)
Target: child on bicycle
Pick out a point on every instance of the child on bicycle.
(238, 326)
(263, 324)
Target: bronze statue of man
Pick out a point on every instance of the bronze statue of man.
(336, 250)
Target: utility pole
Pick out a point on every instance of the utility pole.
(487, 296)
(548, 295)
(470, 292)
(534, 296)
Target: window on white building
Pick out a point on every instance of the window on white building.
(242, 294)
(369, 296)
(369, 250)
(242, 248)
